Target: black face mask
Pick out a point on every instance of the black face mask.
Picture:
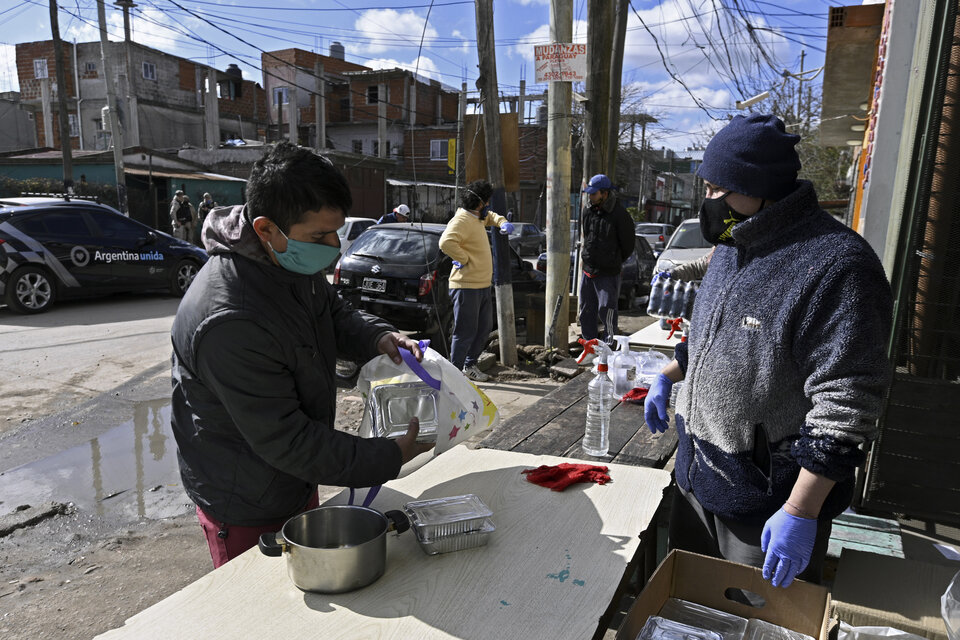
(717, 220)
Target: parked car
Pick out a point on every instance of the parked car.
(397, 272)
(655, 233)
(352, 227)
(685, 245)
(527, 239)
(80, 249)
(634, 278)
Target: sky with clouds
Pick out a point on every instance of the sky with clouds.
(685, 61)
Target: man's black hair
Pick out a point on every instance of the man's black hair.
(475, 194)
(288, 181)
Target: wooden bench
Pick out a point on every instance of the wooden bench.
(554, 426)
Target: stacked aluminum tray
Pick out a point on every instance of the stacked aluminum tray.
(450, 524)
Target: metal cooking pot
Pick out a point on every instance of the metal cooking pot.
(336, 548)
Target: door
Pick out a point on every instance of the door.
(69, 247)
(127, 245)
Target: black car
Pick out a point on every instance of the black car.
(527, 239)
(397, 272)
(54, 251)
(635, 276)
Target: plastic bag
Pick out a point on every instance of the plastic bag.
(449, 406)
(950, 608)
(847, 632)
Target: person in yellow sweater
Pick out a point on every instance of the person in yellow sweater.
(465, 241)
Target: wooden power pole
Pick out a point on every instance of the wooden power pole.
(62, 100)
(616, 74)
(557, 308)
(487, 83)
(115, 134)
(597, 109)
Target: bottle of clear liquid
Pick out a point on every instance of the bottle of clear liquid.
(623, 368)
(656, 295)
(596, 436)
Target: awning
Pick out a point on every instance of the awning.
(410, 183)
(182, 175)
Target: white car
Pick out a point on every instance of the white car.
(685, 245)
(352, 228)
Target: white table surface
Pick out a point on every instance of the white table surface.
(653, 337)
(549, 571)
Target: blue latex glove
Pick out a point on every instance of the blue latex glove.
(788, 542)
(655, 406)
(662, 275)
(457, 265)
(506, 228)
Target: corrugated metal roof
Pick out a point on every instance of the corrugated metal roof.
(183, 175)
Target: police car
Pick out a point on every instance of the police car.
(69, 249)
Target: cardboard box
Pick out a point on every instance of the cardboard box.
(875, 590)
(802, 607)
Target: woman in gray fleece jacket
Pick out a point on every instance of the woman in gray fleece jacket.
(785, 366)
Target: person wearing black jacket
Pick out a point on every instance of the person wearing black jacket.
(608, 240)
(255, 342)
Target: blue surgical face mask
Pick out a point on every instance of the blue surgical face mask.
(307, 258)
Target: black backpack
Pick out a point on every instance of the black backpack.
(183, 213)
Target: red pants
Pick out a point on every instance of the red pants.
(227, 541)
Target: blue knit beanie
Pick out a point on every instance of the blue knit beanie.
(753, 155)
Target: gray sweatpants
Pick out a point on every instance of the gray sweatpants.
(693, 528)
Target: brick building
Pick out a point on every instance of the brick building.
(164, 100)
(353, 100)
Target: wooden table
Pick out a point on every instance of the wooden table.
(550, 570)
(554, 425)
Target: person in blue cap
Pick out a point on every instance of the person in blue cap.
(608, 241)
(785, 367)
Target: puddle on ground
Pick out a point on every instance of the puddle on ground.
(130, 471)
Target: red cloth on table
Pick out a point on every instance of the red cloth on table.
(561, 476)
(635, 395)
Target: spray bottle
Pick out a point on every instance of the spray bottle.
(623, 368)
(596, 435)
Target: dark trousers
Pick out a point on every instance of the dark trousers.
(693, 528)
(598, 303)
(472, 322)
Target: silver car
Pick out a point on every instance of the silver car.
(685, 245)
(655, 233)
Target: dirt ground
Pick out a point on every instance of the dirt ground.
(75, 575)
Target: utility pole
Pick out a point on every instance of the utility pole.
(559, 96)
(803, 54)
(523, 90)
(642, 119)
(382, 120)
(115, 134)
(62, 101)
(487, 83)
(596, 109)
(461, 116)
(321, 106)
(616, 73)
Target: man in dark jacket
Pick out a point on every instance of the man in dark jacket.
(785, 367)
(608, 241)
(255, 343)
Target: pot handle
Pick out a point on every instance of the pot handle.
(399, 521)
(270, 544)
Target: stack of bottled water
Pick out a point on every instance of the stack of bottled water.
(671, 298)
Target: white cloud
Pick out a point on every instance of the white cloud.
(422, 66)
(8, 68)
(527, 3)
(385, 29)
(155, 29)
(541, 35)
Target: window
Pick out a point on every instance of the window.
(373, 94)
(345, 108)
(438, 149)
(114, 226)
(281, 95)
(31, 226)
(40, 68)
(149, 71)
(74, 125)
(66, 224)
(358, 146)
(387, 149)
(376, 147)
(90, 67)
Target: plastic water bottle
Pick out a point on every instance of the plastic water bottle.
(656, 296)
(690, 295)
(666, 305)
(596, 436)
(679, 299)
(623, 368)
